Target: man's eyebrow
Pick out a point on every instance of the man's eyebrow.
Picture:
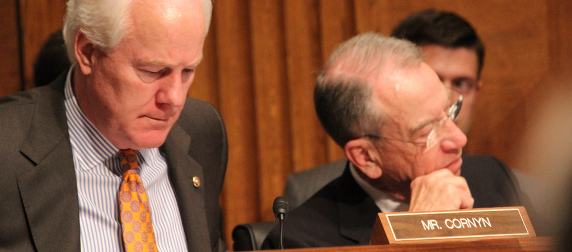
(150, 62)
(198, 61)
(160, 63)
(465, 77)
(471, 80)
(422, 125)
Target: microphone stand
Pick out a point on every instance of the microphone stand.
(281, 229)
(280, 209)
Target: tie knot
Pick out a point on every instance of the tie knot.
(128, 159)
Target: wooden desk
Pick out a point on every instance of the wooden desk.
(511, 244)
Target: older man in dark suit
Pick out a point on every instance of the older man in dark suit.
(112, 156)
(393, 117)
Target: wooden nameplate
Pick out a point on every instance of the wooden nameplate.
(480, 223)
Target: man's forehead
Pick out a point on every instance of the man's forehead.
(453, 62)
(412, 96)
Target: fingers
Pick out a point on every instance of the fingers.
(440, 190)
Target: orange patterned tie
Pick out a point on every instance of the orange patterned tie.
(136, 223)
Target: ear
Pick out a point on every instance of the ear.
(479, 85)
(363, 154)
(84, 53)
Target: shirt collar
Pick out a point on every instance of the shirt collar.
(88, 144)
(384, 201)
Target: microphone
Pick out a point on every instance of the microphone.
(280, 209)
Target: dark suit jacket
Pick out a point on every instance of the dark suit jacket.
(302, 185)
(39, 209)
(342, 214)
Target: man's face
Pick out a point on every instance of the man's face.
(457, 68)
(414, 107)
(135, 93)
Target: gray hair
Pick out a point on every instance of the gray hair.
(343, 92)
(104, 22)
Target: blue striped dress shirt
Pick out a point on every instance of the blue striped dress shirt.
(98, 173)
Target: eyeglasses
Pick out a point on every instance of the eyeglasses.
(436, 133)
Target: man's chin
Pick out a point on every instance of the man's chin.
(148, 141)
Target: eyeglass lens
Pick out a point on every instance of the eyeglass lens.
(436, 134)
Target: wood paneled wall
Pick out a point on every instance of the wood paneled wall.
(10, 65)
(261, 58)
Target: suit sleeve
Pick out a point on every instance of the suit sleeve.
(493, 184)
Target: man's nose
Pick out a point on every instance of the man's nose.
(172, 91)
(453, 137)
(447, 83)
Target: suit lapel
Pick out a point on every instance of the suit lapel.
(357, 210)
(190, 199)
(48, 187)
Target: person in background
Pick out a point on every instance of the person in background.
(113, 156)
(393, 117)
(52, 60)
(453, 49)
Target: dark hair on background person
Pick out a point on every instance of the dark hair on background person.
(52, 60)
(447, 29)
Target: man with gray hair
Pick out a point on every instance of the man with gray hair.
(393, 117)
(112, 155)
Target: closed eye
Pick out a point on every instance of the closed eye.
(187, 74)
(147, 75)
(422, 134)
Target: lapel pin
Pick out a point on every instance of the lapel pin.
(196, 181)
